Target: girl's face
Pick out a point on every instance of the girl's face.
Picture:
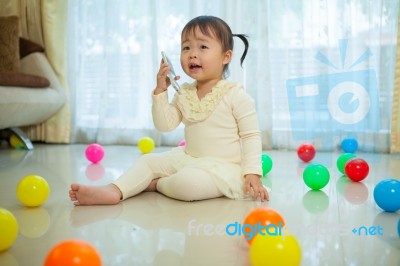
(202, 57)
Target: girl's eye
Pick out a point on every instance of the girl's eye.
(203, 47)
(185, 48)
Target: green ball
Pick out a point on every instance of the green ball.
(266, 163)
(343, 159)
(316, 176)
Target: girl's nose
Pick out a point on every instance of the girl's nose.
(192, 55)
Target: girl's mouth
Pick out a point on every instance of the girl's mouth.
(194, 66)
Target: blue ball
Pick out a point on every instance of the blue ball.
(349, 145)
(387, 194)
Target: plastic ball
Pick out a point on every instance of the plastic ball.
(8, 229)
(146, 145)
(316, 176)
(306, 152)
(275, 250)
(182, 143)
(342, 160)
(266, 163)
(349, 145)
(387, 194)
(356, 169)
(94, 152)
(33, 190)
(73, 252)
(16, 143)
(263, 216)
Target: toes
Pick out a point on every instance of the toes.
(74, 187)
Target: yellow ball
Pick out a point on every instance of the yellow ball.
(16, 143)
(33, 190)
(8, 229)
(146, 145)
(275, 250)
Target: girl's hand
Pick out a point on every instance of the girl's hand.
(253, 183)
(163, 81)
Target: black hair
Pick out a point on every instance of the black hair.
(209, 26)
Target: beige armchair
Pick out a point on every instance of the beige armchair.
(33, 40)
(23, 106)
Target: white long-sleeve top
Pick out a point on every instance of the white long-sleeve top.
(223, 124)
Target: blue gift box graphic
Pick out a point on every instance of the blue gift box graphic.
(335, 102)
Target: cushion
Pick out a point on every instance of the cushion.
(9, 43)
(26, 47)
(15, 79)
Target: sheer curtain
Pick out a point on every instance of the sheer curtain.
(333, 66)
(318, 70)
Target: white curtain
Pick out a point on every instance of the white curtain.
(319, 70)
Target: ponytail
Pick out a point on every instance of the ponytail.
(243, 37)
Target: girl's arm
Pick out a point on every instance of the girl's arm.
(249, 132)
(166, 116)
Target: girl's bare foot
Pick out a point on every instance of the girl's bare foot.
(153, 186)
(91, 195)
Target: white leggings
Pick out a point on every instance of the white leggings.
(187, 184)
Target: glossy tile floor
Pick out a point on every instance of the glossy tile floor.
(151, 229)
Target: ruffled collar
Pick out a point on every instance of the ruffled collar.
(195, 109)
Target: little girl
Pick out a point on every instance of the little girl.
(222, 156)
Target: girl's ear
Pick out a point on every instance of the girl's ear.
(227, 57)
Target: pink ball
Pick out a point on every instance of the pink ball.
(94, 152)
(182, 143)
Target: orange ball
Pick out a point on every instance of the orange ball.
(73, 252)
(263, 216)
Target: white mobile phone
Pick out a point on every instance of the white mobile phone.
(171, 74)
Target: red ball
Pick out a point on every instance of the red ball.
(73, 252)
(306, 152)
(356, 169)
